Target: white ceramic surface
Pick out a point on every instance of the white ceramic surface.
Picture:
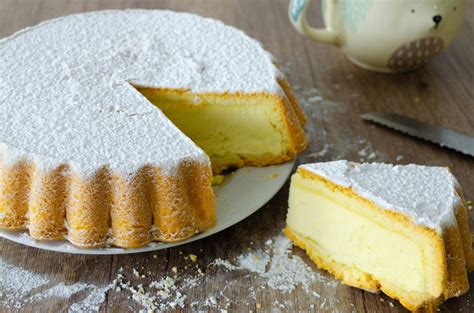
(242, 193)
(388, 36)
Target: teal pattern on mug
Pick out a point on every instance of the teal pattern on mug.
(353, 12)
(297, 8)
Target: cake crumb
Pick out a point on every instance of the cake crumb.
(469, 204)
(258, 305)
(273, 176)
(200, 272)
(218, 180)
(212, 300)
(193, 257)
(323, 304)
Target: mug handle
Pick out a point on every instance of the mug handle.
(297, 11)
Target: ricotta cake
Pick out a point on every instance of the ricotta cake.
(398, 229)
(111, 123)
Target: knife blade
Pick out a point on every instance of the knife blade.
(435, 134)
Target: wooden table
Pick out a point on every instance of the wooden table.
(440, 93)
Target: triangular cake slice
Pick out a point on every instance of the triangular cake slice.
(398, 229)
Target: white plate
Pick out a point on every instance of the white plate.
(243, 192)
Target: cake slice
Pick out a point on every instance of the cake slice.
(398, 229)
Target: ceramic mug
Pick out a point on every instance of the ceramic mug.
(384, 35)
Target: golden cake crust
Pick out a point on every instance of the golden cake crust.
(107, 208)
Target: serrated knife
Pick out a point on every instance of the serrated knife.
(442, 136)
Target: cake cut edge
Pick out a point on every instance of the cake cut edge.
(291, 118)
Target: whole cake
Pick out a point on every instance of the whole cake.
(399, 229)
(103, 117)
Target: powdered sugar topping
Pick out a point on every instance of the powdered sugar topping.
(273, 269)
(67, 94)
(427, 194)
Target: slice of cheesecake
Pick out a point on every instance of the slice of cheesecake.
(398, 229)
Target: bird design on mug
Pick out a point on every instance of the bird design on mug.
(416, 53)
(426, 19)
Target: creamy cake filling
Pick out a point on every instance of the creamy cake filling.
(233, 131)
(333, 222)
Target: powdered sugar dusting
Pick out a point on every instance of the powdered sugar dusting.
(427, 194)
(19, 287)
(254, 262)
(16, 284)
(273, 268)
(287, 271)
(93, 300)
(67, 94)
(61, 290)
(281, 269)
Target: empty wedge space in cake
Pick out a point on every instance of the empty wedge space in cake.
(398, 229)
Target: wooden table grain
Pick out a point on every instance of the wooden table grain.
(440, 93)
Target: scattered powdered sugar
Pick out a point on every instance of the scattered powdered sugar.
(284, 270)
(93, 300)
(279, 269)
(426, 193)
(254, 262)
(16, 284)
(329, 126)
(273, 267)
(321, 153)
(61, 290)
(322, 113)
(286, 273)
(19, 287)
(224, 263)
